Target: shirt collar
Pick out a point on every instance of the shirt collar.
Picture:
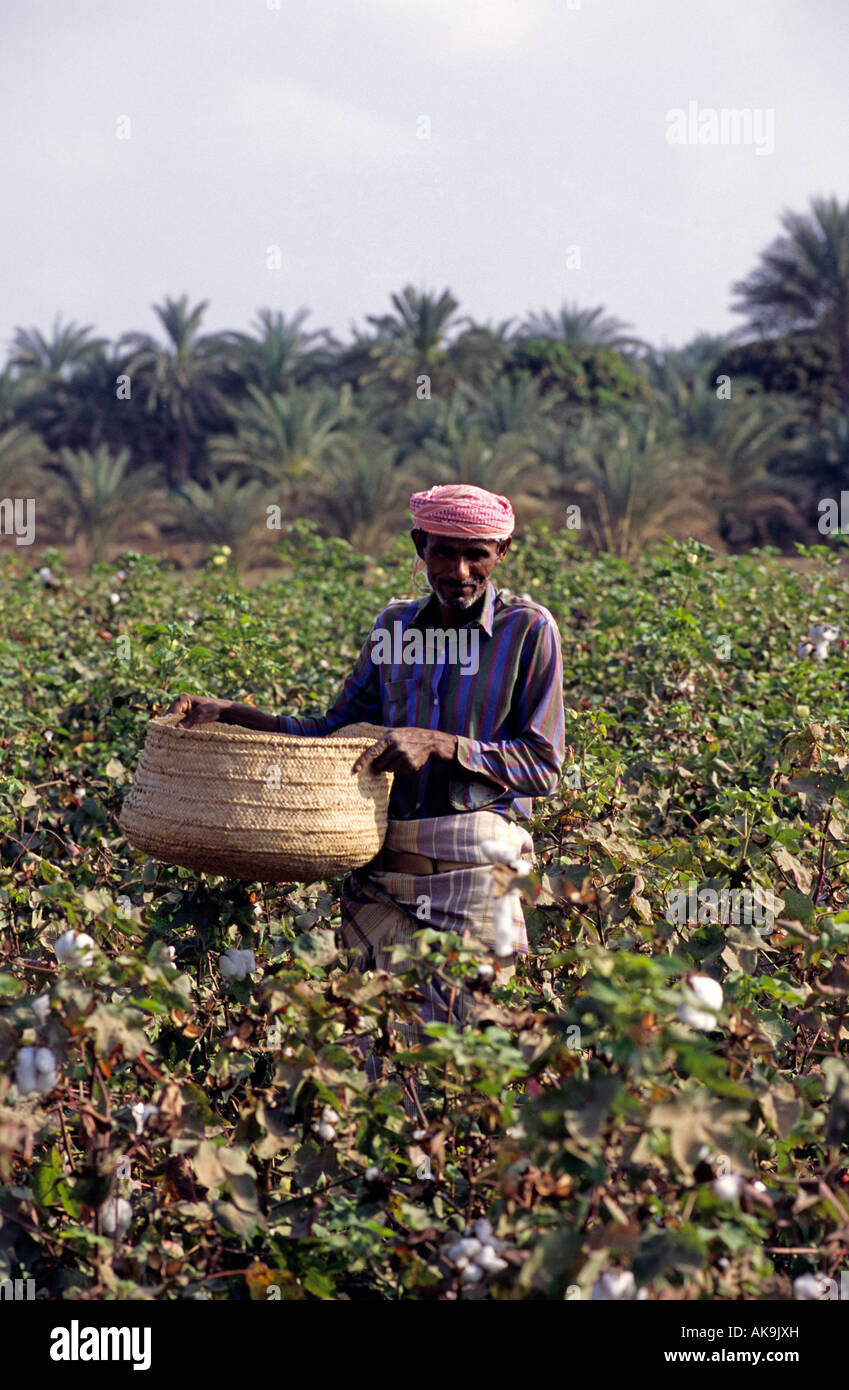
(484, 619)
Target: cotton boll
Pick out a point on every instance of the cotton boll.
(115, 1217)
(614, 1286)
(505, 927)
(705, 991)
(372, 1173)
(500, 852)
(41, 1008)
(728, 1187)
(75, 949)
(471, 1274)
(811, 1286)
(235, 964)
(490, 1262)
(467, 1246)
(325, 1125)
(482, 1229)
(486, 972)
(696, 1018)
(823, 632)
(141, 1113)
(35, 1070)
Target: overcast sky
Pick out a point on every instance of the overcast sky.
(253, 126)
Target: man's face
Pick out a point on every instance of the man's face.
(458, 570)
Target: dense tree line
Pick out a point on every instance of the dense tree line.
(194, 436)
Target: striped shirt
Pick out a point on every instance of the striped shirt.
(496, 682)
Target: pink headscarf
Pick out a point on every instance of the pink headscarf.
(457, 509)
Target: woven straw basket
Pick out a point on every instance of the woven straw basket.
(265, 807)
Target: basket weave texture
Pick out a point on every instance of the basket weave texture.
(265, 807)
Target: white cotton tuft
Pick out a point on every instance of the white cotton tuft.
(35, 1070)
(325, 1125)
(141, 1113)
(41, 1008)
(706, 992)
(696, 1018)
(501, 852)
(236, 965)
(115, 1217)
(811, 1286)
(728, 1186)
(506, 934)
(489, 1261)
(614, 1286)
(75, 949)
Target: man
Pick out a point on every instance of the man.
(468, 683)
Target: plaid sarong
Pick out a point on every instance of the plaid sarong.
(381, 908)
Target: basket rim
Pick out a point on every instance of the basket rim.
(233, 732)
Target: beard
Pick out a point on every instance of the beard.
(457, 600)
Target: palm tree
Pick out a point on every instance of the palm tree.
(182, 381)
(512, 405)
(802, 281)
(414, 340)
(279, 351)
(634, 480)
(444, 420)
(20, 453)
(363, 492)
(103, 497)
(226, 511)
(509, 464)
(284, 438)
(581, 328)
(478, 354)
(55, 358)
(684, 363)
(86, 410)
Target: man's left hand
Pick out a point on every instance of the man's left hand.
(407, 750)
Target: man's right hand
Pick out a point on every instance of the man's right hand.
(198, 709)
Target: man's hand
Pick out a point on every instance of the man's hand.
(407, 750)
(198, 709)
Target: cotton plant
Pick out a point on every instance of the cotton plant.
(701, 1003)
(76, 949)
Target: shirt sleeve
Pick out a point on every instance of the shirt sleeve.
(531, 763)
(358, 702)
